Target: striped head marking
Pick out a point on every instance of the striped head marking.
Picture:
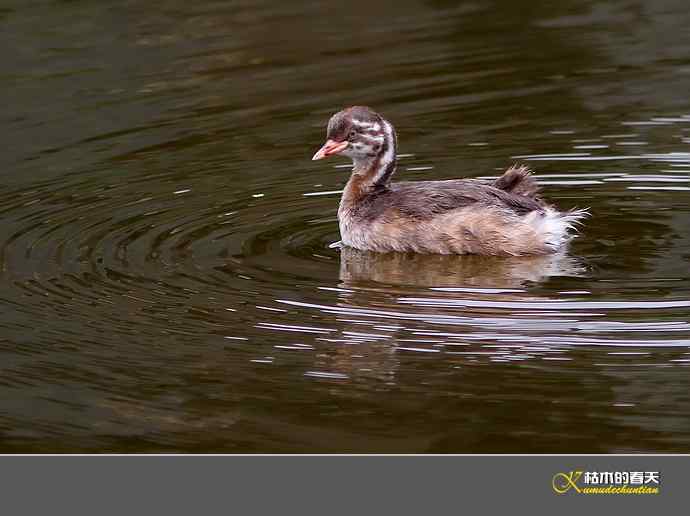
(364, 136)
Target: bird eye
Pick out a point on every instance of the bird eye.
(352, 134)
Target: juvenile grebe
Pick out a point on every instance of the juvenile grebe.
(505, 217)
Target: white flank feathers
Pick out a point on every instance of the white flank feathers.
(556, 228)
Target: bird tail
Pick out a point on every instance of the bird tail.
(518, 180)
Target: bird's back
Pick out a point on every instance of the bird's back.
(515, 191)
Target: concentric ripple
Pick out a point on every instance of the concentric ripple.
(187, 258)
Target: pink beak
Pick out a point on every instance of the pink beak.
(329, 148)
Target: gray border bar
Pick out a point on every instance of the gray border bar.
(326, 485)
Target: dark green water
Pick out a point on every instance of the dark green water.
(166, 283)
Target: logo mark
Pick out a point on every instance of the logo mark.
(564, 482)
(607, 482)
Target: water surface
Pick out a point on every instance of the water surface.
(166, 279)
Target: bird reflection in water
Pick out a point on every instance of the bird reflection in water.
(375, 328)
(453, 270)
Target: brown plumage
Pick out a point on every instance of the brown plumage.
(506, 217)
(518, 180)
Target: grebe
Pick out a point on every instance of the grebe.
(503, 218)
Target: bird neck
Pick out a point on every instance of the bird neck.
(376, 172)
